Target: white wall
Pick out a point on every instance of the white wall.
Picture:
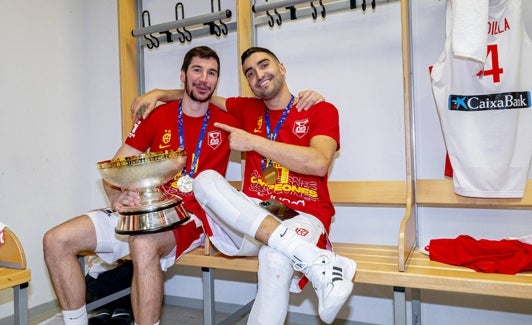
(60, 113)
(59, 74)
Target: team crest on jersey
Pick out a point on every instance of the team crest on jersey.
(511, 100)
(215, 138)
(300, 128)
(165, 139)
(258, 128)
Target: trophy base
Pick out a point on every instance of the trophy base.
(151, 221)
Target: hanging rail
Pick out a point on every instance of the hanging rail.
(197, 20)
(276, 5)
(292, 13)
(169, 32)
(175, 36)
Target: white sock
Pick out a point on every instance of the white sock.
(286, 241)
(76, 317)
(153, 324)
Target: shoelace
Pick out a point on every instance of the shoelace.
(304, 267)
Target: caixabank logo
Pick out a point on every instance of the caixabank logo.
(511, 100)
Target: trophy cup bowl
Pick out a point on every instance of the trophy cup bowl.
(146, 173)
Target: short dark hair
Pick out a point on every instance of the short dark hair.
(255, 49)
(203, 52)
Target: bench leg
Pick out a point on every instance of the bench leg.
(208, 296)
(399, 306)
(416, 307)
(21, 304)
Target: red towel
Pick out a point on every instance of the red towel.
(505, 256)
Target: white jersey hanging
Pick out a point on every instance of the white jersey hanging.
(485, 112)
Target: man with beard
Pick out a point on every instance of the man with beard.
(284, 211)
(188, 124)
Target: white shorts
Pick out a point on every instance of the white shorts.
(233, 243)
(111, 246)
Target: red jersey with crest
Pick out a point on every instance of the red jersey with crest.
(160, 132)
(301, 192)
(486, 113)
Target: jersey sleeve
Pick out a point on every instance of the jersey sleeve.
(241, 107)
(327, 118)
(142, 133)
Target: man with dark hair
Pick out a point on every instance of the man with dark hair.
(284, 211)
(187, 124)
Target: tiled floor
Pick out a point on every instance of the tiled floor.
(188, 316)
(171, 315)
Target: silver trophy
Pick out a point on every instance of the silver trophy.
(146, 173)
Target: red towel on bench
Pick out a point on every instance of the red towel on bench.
(505, 256)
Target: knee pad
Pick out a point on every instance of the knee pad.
(222, 201)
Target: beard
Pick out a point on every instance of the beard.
(195, 97)
(198, 99)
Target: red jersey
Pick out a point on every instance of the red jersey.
(160, 132)
(306, 193)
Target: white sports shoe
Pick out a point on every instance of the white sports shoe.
(332, 278)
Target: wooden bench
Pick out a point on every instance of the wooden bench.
(372, 260)
(399, 267)
(377, 264)
(14, 274)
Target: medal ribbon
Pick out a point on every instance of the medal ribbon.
(194, 164)
(273, 136)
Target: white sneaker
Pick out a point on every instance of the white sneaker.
(332, 278)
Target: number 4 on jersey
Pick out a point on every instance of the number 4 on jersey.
(495, 70)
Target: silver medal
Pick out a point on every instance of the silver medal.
(184, 183)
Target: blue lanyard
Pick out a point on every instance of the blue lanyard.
(194, 164)
(273, 136)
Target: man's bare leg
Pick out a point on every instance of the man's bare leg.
(61, 246)
(148, 279)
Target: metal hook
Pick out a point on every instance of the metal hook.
(188, 35)
(153, 41)
(224, 28)
(270, 20)
(323, 11)
(150, 45)
(216, 29)
(314, 11)
(279, 19)
(373, 5)
(182, 36)
(364, 5)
